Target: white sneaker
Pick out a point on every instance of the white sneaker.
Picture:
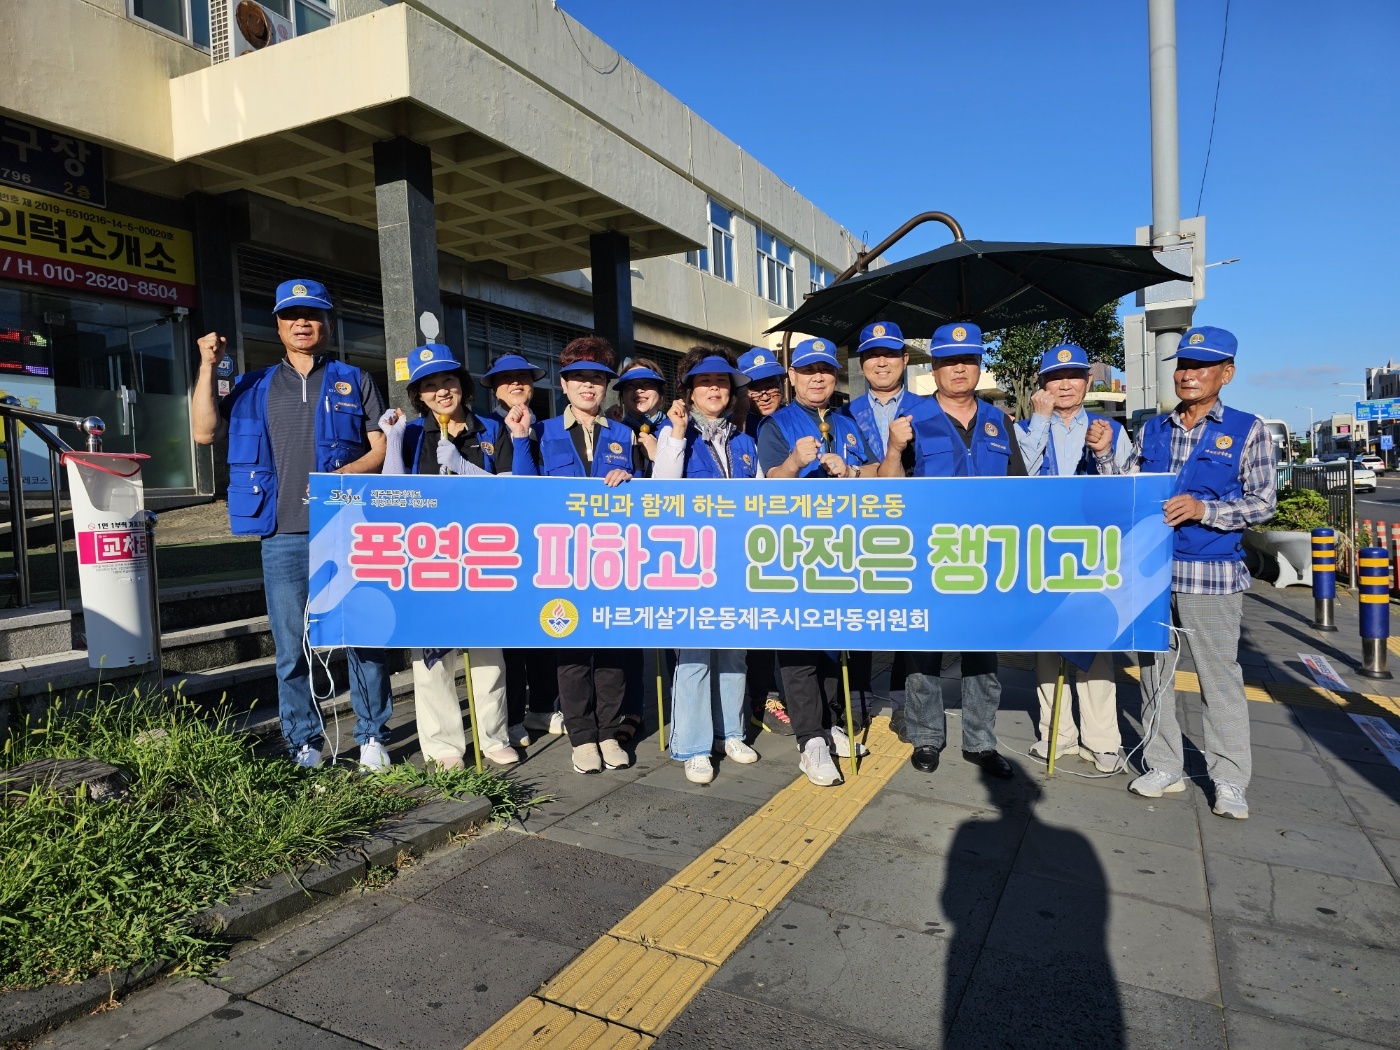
(817, 764)
(699, 769)
(518, 736)
(556, 724)
(614, 757)
(503, 756)
(587, 759)
(307, 757)
(1041, 750)
(373, 757)
(842, 744)
(1104, 761)
(1229, 801)
(1156, 783)
(740, 752)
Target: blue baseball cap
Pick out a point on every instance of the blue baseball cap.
(815, 352)
(512, 363)
(588, 366)
(759, 364)
(426, 360)
(1210, 345)
(302, 293)
(1064, 357)
(882, 335)
(717, 365)
(954, 340)
(640, 375)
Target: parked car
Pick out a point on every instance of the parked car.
(1372, 461)
(1363, 479)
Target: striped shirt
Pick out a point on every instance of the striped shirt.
(1255, 507)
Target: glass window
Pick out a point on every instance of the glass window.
(718, 257)
(819, 275)
(311, 17)
(168, 14)
(775, 270)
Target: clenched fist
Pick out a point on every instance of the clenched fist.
(518, 422)
(805, 451)
(1100, 437)
(901, 434)
(213, 348)
(1043, 403)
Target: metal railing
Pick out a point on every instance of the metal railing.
(1336, 482)
(12, 413)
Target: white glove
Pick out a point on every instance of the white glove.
(393, 423)
(453, 461)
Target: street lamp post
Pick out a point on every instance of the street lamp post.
(1312, 442)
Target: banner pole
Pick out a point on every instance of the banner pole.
(660, 704)
(471, 707)
(1053, 744)
(850, 722)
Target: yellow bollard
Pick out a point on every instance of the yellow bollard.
(471, 707)
(660, 703)
(1054, 741)
(850, 721)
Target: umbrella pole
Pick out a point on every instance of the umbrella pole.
(1054, 741)
(850, 722)
(471, 707)
(660, 703)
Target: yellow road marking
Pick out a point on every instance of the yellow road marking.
(636, 979)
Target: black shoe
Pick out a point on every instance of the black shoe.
(992, 763)
(897, 724)
(924, 759)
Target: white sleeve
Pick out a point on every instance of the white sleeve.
(670, 456)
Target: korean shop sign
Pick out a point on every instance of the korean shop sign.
(1077, 564)
(44, 161)
(51, 241)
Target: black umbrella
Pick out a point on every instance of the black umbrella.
(994, 284)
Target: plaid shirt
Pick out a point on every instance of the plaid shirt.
(1255, 507)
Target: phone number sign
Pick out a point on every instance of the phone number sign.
(47, 240)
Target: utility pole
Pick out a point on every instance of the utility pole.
(1166, 174)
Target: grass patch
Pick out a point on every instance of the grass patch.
(88, 887)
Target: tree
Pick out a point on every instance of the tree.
(1013, 354)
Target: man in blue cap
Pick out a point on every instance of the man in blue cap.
(1052, 443)
(306, 413)
(805, 439)
(954, 434)
(1224, 463)
(764, 394)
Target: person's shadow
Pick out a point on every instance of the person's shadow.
(1041, 975)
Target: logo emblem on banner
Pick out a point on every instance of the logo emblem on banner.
(1224, 441)
(342, 387)
(559, 617)
(959, 334)
(990, 429)
(1063, 355)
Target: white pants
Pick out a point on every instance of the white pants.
(441, 733)
(1098, 703)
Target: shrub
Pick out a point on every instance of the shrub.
(1299, 510)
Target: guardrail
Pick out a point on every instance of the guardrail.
(12, 414)
(1336, 482)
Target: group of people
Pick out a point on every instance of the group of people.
(728, 421)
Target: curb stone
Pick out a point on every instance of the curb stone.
(30, 1013)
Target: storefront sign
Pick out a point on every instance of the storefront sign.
(50, 241)
(1075, 564)
(45, 161)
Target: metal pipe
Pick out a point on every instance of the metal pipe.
(14, 481)
(157, 658)
(1166, 166)
(1052, 742)
(56, 494)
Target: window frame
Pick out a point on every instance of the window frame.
(706, 259)
(773, 270)
(326, 8)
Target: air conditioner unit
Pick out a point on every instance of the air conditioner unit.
(239, 26)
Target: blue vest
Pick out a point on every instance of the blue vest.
(559, 459)
(700, 460)
(252, 474)
(939, 451)
(794, 422)
(1087, 463)
(863, 413)
(420, 460)
(1212, 472)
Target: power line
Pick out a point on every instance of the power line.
(1215, 106)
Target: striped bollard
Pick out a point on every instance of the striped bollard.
(1324, 578)
(1368, 530)
(1373, 581)
(1381, 539)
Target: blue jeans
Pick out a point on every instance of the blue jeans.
(286, 561)
(692, 711)
(924, 721)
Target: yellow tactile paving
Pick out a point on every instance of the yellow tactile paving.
(536, 1024)
(629, 983)
(737, 876)
(1301, 695)
(1256, 691)
(689, 923)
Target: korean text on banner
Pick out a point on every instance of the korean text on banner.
(967, 564)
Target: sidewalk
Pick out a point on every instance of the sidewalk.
(945, 910)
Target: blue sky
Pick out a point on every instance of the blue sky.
(1028, 120)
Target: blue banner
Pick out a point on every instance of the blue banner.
(958, 564)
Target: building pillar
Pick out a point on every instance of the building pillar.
(612, 291)
(408, 254)
(216, 311)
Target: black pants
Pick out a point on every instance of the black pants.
(591, 687)
(860, 665)
(532, 683)
(812, 692)
(634, 698)
(762, 679)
